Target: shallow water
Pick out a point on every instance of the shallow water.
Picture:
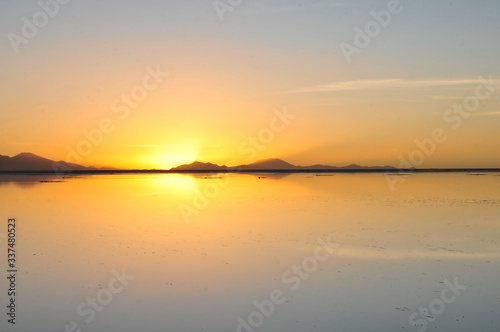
(205, 252)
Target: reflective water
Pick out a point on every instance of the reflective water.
(281, 253)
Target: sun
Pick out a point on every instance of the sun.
(174, 156)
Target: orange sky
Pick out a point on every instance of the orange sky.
(227, 79)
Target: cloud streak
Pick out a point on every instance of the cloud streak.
(487, 114)
(144, 146)
(388, 84)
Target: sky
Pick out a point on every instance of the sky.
(155, 84)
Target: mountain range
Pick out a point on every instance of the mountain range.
(30, 162)
(268, 165)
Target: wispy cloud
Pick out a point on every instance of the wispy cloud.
(487, 114)
(27, 143)
(389, 84)
(438, 97)
(144, 146)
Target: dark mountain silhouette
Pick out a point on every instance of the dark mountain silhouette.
(354, 166)
(31, 162)
(199, 166)
(269, 165)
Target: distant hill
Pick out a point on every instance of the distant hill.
(354, 166)
(269, 165)
(199, 166)
(31, 162)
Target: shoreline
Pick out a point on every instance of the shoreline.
(266, 171)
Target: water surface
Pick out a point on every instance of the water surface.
(202, 249)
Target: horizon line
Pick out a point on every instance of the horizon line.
(234, 169)
(395, 171)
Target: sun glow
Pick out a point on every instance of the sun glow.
(177, 184)
(174, 156)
